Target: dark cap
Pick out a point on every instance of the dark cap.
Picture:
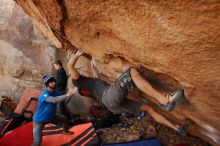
(48, 79)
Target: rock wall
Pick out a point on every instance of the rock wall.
(177, 43)
(25, 55)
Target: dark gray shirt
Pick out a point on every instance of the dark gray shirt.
(91, 87)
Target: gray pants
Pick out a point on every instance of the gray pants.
(38, 128)
(115, 97)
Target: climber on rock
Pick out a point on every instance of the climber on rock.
(117, 97)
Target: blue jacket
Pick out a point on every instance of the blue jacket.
(45, 110)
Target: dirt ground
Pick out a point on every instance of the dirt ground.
(146, 128)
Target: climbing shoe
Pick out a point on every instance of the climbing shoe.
(67, 132)
(183, 129)
(173, 98)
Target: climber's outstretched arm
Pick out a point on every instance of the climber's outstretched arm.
(94, 69)
(71, 65)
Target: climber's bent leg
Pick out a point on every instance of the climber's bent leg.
(143, 85)
(168, 100)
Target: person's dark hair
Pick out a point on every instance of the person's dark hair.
(58, 62)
